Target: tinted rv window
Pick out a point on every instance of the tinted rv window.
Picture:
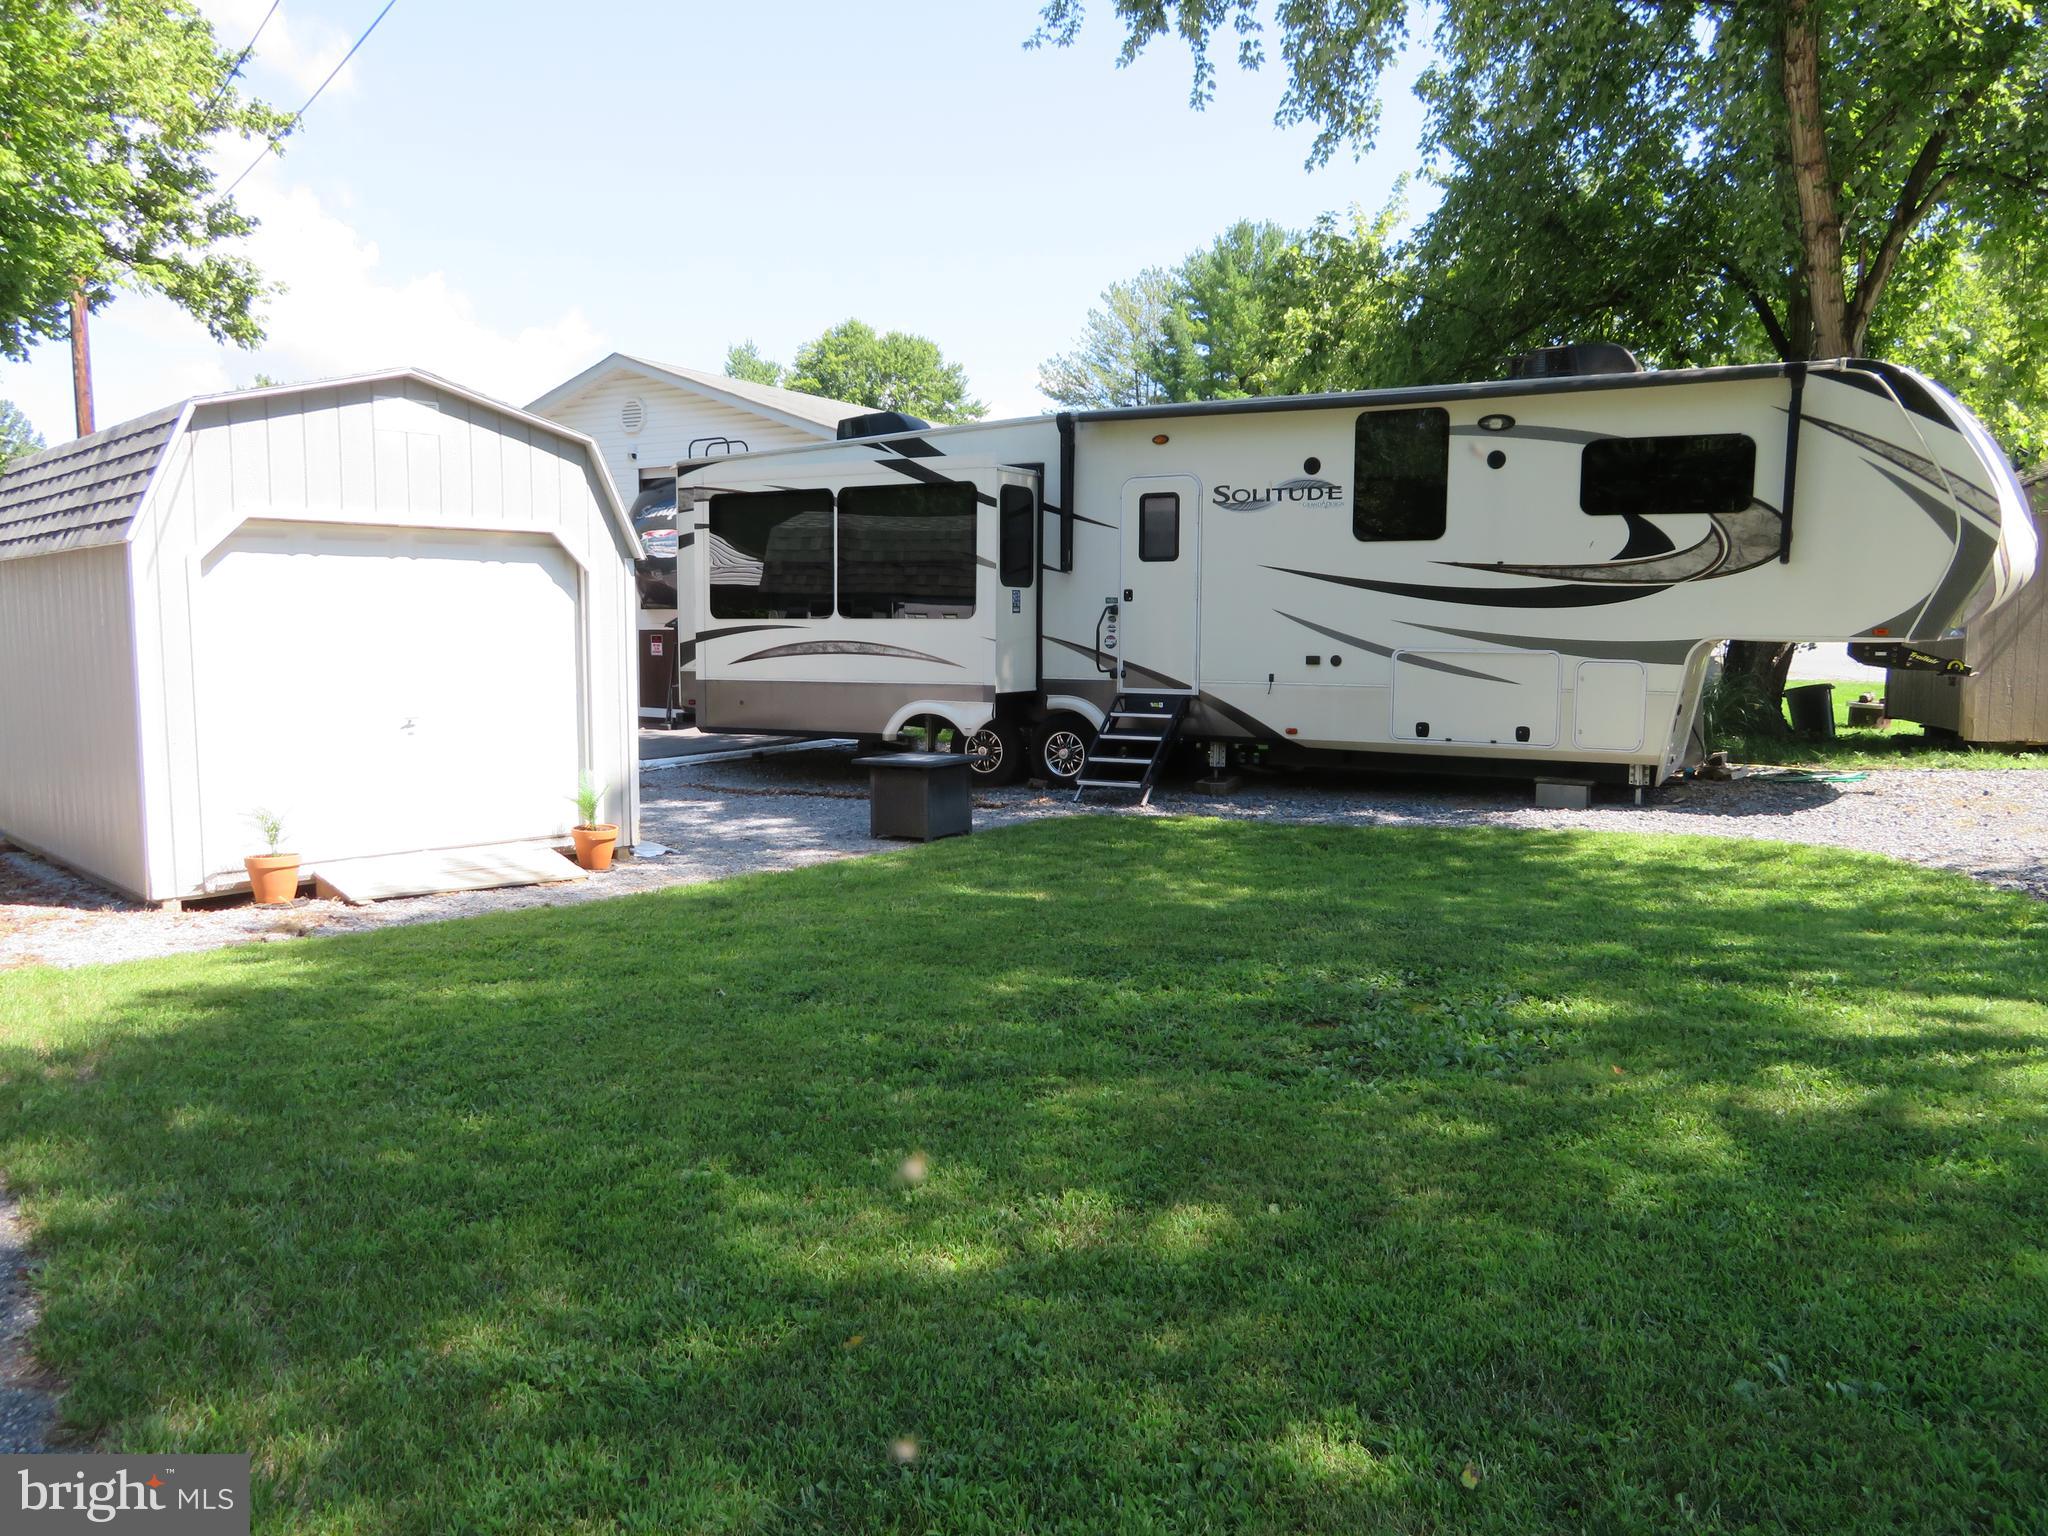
(1709, 472)
(1400, 474)
(1017, 559)
(1159, 526)
(906, 551)
(771, 555)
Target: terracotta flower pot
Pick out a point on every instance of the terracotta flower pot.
(594, 845)
(273, 878)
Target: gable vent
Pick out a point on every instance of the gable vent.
(632, 416)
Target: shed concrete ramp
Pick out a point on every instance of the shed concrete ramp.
(432, 871)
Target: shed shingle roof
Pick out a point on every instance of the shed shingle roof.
(84, 493)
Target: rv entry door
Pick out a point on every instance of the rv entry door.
(1161, 617)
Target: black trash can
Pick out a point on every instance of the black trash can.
(918, 795)
(1813, 709)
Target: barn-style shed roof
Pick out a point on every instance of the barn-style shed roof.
(83, 493)
(88, 492)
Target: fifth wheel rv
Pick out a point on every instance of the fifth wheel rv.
(1523, 576)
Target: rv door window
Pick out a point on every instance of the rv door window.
(1702, 472)
(907, 551)
(771, 555)
(1159, 526)
(1017, 554)
(1400, 474)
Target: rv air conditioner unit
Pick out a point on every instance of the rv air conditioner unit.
(1573, 361)
(876, 423)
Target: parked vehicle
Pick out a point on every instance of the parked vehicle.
(1523, 576)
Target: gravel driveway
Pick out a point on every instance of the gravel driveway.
(808, 807)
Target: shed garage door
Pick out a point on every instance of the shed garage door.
(385, 690)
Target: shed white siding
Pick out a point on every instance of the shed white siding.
(396, 613)
(70, 780)
(371, 466)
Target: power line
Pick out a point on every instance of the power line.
(286, 132)
(243, 57)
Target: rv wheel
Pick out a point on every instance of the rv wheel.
(1063, 748)
(996, 753)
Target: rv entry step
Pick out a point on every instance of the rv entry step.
(1132, 746)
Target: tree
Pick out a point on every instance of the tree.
(1117, 361)
(746, 362)
(1219, 329)
(894, 371)
(1344, 302)
(1204, 330)
(1704, 178)
(1806, 143)
(108, 110)
(17, 434)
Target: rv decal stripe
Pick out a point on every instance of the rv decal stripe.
(1129, 666)
(1735, 542)
(737, 629)
(1387, 650)
(1658, 652)
(1539, 434)
(1160, 677)
(909, 447)
(930, 476)
(1251, 725)
(1975, 497)
(1090, 521)
(1586, 596)
(1972, 560)
(842, 648)
(1943, 514)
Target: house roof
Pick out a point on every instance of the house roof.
(790, 406)
(88, 492)
(83, 493)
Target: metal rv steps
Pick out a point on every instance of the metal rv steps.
(1132, 745)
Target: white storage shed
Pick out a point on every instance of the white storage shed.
(393, 611)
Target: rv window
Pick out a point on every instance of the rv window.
(771, 555)
(1400, 471)
(1706, 472)
(906, 551)
(1159, 526)
(1017, 553)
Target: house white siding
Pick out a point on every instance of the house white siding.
(673, 418)
(70, 779)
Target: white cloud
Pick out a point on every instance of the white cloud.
(298, 51)
(341, 311)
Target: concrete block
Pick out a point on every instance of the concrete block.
(1564, 794)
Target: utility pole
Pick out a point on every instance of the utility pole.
(81, 362)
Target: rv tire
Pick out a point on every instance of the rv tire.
(997, 750)
(1060, 747)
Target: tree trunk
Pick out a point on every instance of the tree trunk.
(1820, 215)
(1768, 663)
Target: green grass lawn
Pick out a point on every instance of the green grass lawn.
(1274, 1179)
(1899, 745)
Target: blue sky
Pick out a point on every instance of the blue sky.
(504, 193)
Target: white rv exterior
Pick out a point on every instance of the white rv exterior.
(1505, 576)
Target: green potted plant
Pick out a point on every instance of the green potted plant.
(273, 876)
(595, 839)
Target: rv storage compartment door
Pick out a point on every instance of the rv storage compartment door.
(1607, 706)
(1481, 698)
